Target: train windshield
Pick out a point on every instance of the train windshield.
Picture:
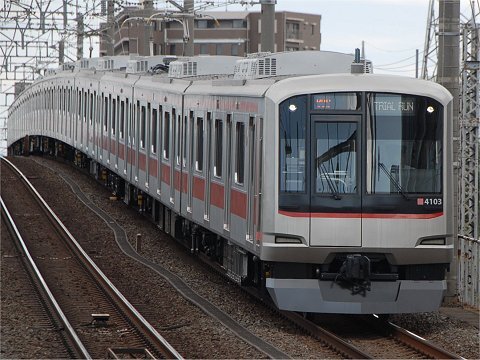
(345, 145)
(404, 144)
(335, 158)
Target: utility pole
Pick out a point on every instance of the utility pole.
(267, 38)
(448, 76)
(148, 36)
(110, 27)
(61, 43)
(80, 30)
(190, 23)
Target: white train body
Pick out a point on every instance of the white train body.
(332, 191)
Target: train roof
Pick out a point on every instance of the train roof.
(357, 82)
(276, 75)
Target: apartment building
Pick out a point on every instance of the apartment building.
(146, 32)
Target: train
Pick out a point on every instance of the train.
(303, 176)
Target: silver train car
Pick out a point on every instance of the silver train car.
(326, 190)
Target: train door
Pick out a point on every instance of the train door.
(228, 174)
(136, 139)
(177, 163)
(146, 136)
(252, 181)
(142, 164)
(83, 123)
(126, 138)
(198, 166)
(185, 171)
(191, 163)
(335, 180)
(166, 156)
(91, 107)
(159, 149)
(208, 161)
(131, 141)
(114, 134)
(120, 158)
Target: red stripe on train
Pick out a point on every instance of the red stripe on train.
(238, 203)
(198, 188)
(184, 182)
(165, 174)
(217, 195)
(359, 215)
(142, 161)
(152, 166)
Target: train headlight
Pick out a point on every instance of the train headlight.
(433, 241)
(430, 109)
(292, 107)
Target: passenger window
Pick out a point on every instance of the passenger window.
(217, 165)
(199, 149)
(122, 118)
(91, 109)
(240, 153)
(143, 120)
(85, 99)
(166, 136)
(131, 125)
(137, 120)
(185, 124)
(154, 130)
(114, 113)
(105, 113)
(177, 141)
(79, 104)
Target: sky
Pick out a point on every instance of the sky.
(392, 29)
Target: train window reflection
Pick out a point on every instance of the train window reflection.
(199, 149)
(404, 144)
(240, 153)
(335, 159)
(154, 130)
(293, 116)
(217, 165)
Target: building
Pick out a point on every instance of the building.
(136, 31)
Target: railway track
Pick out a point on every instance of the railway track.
(389, 340)
(95, 316)
(21, 294)
(378, 338)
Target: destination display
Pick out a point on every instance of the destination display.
(394, 105)
(336, 101)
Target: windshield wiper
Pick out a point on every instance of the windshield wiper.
(393, 180)
(331, 185)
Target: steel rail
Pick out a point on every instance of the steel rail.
(35, 272)
(418, 343)
(150, 333)
(346, 349)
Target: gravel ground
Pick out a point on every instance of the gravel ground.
(455, 336)
(25, 326)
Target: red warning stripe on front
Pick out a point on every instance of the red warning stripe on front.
(359, 215)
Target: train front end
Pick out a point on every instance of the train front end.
(359, 219)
